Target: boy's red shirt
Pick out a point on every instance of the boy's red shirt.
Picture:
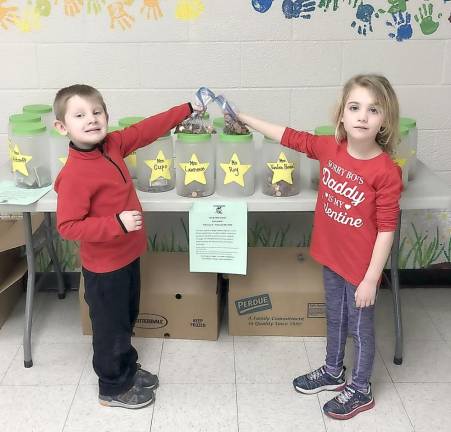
(94, 187)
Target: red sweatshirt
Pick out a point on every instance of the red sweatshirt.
(94, 186)
(356, 200)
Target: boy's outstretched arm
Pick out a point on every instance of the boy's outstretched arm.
(271, 130)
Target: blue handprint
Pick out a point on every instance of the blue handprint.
(364, 14)
(262, 6)
(400, 27)
(298, 8)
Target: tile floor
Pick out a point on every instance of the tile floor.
(235, 384)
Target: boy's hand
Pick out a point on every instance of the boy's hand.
(132, 220)
(365, 294)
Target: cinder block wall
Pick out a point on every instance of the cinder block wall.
(286, 70)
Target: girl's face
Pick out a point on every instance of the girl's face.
(362, 116)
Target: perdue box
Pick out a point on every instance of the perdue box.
(281, 295)
(174, 303)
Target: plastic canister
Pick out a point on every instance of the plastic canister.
(59, 148)
(155, 166)
(401, 154)
(45, 111)
(31, 158)
(195, 165)
(280, 169)
(411, 124)
(130, 160)
(325, 130)
(235, 165)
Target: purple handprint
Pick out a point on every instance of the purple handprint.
(400, 27)
(298, 8)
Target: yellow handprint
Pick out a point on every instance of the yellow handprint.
(72, 7)
(151, 6)
(189, 9)
(95, 6)
(7, 15)
(119, 14)
(29, 21)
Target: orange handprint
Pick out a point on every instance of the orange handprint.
(151, 6)
(72, 7)
(7, 15)
(118, 14)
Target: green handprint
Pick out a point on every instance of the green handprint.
(427, 24)
(326, 4)
(95, 6)
(397, 6)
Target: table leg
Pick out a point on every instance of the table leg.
(28, 362)
(51, 250)
(396, 296)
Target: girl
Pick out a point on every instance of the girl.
(355, 219)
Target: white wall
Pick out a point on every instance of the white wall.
(288, 71)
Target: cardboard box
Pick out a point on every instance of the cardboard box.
(12, 232)
(12, 269)
(282, 295)
(174, 303)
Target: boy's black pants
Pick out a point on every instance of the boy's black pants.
(113, 300)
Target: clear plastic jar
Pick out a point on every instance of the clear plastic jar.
(325, 130)
(280, 169)
(59, 148)
(235, 166)
(218, 124)
(411, 124)
(195, 165)
(31, 158)
(402, 153)
(44, 111)
(155, 167)
(130, 160)
(18, 119)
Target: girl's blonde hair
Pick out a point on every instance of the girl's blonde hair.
(388, 136)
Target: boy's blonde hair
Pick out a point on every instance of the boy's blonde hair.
(82, 90)
(388, 136)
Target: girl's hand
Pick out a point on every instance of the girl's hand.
(132, 220)
(365, 294)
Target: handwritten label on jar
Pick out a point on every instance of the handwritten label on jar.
(194, 170)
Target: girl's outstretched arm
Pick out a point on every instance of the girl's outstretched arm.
(270, 130)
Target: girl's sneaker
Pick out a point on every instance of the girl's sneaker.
(319, 380)
(349, 403)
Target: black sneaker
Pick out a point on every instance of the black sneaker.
(145, 379)
(349, 403)
(319, 380)
(136, 397)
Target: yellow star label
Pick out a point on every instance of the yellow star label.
(282, 169)
(159, 167)
(63, 160)
(194, 170)
(235, 170)
(20, 161)
(10, 149)
(400, 162)
(131, 159)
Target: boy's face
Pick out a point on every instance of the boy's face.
(85, 122)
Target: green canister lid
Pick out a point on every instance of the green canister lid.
(218, 122)
(113, 128)
(193, 138)
(408, 122)
(54, 133)
(37, 109)
(25, 129)
(206, 116)
(403, 130)
(235, 138)
(325, 130)
(24, 118)
(128, 121)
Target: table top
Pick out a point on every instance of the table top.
(425, 191)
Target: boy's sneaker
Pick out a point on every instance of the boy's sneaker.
(319, 380)
(145, 379)
(349, 403)
(136, 397)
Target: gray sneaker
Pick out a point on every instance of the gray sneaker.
(145, 379)
(136, 397)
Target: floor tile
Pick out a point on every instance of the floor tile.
(277, 407)
(195, 408)
(7, 354)
(189, 362)
(34, 408)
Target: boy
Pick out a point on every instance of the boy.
(98, 206)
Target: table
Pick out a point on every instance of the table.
(426, 191)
